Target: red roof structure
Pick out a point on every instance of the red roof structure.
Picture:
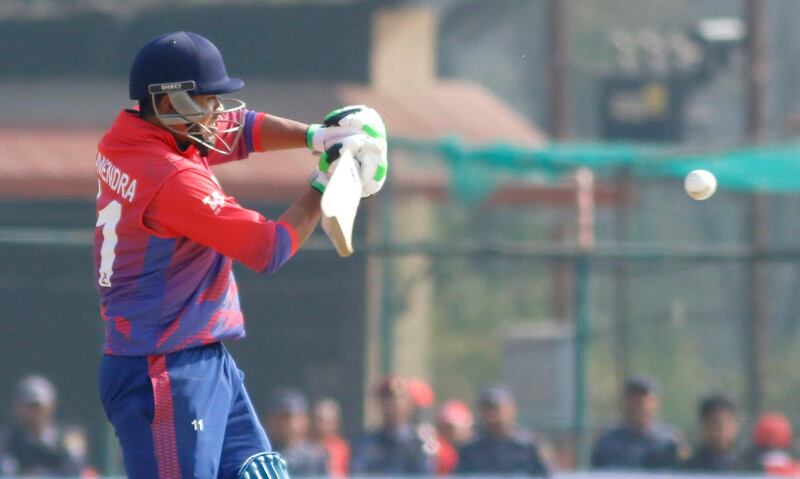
(52, 161)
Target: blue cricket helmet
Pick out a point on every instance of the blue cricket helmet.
(180, 57)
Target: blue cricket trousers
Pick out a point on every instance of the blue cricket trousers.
(181, 415)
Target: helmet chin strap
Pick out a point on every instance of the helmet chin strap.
(191, 114)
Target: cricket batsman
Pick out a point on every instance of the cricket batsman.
(165, 240)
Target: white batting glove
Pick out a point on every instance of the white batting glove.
(373, 165)
(319, 180)
(344, 122)
(319, 137)
(372, 154)
(368, 155)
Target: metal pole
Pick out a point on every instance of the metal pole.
(561, 278)
(758, 319)
(756, 70)
(388, 299)
(621, 282)
(757, 322)
(585, 200)
(581, 345)
(559, 123)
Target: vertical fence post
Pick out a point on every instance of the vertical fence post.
(558, 70)
(388, 303)
(622, 353)
(755, 120)
(584, 180)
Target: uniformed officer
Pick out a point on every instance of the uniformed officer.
(500, 447)
(395, 447)
(638, 442)
(287, 423)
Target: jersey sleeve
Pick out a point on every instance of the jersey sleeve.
(191, 204)
(247, 142)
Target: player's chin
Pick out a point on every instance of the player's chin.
(201, 144)
(203, 150)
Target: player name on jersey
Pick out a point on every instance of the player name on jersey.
(119, 181)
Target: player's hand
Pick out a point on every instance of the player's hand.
(344, 122)
(372, 153)
(321, 176)
(327, 162)
(369, 156)
(373, 165)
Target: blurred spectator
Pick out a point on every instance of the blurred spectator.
(287, 426)
(422, 399)
(500, 446)
(325, 429)
(395, 447)
(638, 442)
(453, 430)
(36, 445)
(719, 427)
(772, 447)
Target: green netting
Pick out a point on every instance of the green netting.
(684, 321)
(476, 169)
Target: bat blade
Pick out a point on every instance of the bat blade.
(340, 203)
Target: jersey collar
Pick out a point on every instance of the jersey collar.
(129, 127)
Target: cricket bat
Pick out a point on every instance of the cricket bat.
(340, 203)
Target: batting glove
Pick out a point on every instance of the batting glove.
(368, 154)
(371, 153)
(322, 175)
(344, 122)
(373, 165)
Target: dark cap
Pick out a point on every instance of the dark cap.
(35, 390)
(640, 385)
(495, 395)
(178, 58)
(287, 400)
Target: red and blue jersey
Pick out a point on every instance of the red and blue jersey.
(165, 238)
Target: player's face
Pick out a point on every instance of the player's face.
(202, 129)
(200, 119)
(720, 429)
(210, 103)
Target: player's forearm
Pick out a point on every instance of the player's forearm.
(278, 133)
(303, 215)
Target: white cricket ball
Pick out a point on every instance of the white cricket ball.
(700, 184)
